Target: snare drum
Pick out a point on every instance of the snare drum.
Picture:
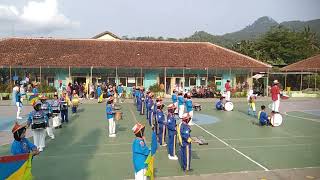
(39, 125)
(75, 102)
(276, 119)
(56, 121)
(118, 115)
(228, 106)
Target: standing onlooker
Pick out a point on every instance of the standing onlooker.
(228, 90)
(18, 103)
(91, 91)
(69, 90)
(120, 92)
(275, 96)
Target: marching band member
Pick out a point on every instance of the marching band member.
(56, 109)
(220, 104)
(150, 104)
(110, 114)
(251, 103)
(185, 142)
(22, 145)
(154, 115)
(275, 96)
(175, 100)
(47, 109)
(228, 90)
(162, 125)
(142, 101)
(134, 95)
(263, 117)
(189, 108)
(38, 121)
(138, 96)
(172, 132)
(180, 104)
(18, 102)
(120, 92)
(75, 101)
(140, 152)
(147, 104)
(64, 107)
(99, 94)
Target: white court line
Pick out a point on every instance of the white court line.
(195, 149)
(255, 162)
(314, 120)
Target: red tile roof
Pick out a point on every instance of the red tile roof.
(98, 53)
(310, 64)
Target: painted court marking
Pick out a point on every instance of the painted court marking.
(309, 119)
(165, 150)
(239, 152)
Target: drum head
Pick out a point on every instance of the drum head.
(228, 106)
(276, 119)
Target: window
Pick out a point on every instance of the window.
(50, 81)
(123, 80)
(203, 81)
(112, 80)
(193, 81)
(131, 82)
(139, 81)
(186, 81)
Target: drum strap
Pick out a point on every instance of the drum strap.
(179, 133)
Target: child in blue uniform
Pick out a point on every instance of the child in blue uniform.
(263, 117)
(147, 104)
(22, 145)
(174, 98)
(140, 152)
(150, 108)
(180, 104)
(110, 113)
(161, 124)
(172, 132)
(189, 107)
(185, 142)
(219, 104)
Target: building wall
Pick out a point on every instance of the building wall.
(108, 38)
(150, 78)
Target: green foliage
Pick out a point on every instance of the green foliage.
(6, 88)
(45, 88)
(156, 88)
(280, 46)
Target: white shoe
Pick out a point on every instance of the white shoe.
(19, 117)
(191, 124)
(40, 149)
(175, 158)
(112, 135)
(164, 145)
(52, 137)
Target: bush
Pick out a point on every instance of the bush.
(156, 88)
(45, 88)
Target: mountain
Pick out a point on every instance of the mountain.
(253, 31)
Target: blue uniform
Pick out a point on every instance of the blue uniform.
(172, 132)
(185, 145)
(189, 105)
(99, 91)
(150, 104)
(134, 96)
(180, 100)
(109, 111)
(139, 103)
(64, 110)
(147, 106)
(46, 108)
(140, 152)
(35, 91)
(174, 98)
(18, 97)
(263, 118)
(38, 116)
(162, 127)
(119, 89)
(219, 105)
(22, 147)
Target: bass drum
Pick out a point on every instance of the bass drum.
(276, 120)
(228, 106)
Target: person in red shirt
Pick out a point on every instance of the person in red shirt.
(275, 96)
(228, 90)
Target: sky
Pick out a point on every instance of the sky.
(132, 18)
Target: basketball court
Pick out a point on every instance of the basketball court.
(237, 149)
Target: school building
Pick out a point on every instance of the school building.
(106, 58)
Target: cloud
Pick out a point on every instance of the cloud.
(35, 17)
